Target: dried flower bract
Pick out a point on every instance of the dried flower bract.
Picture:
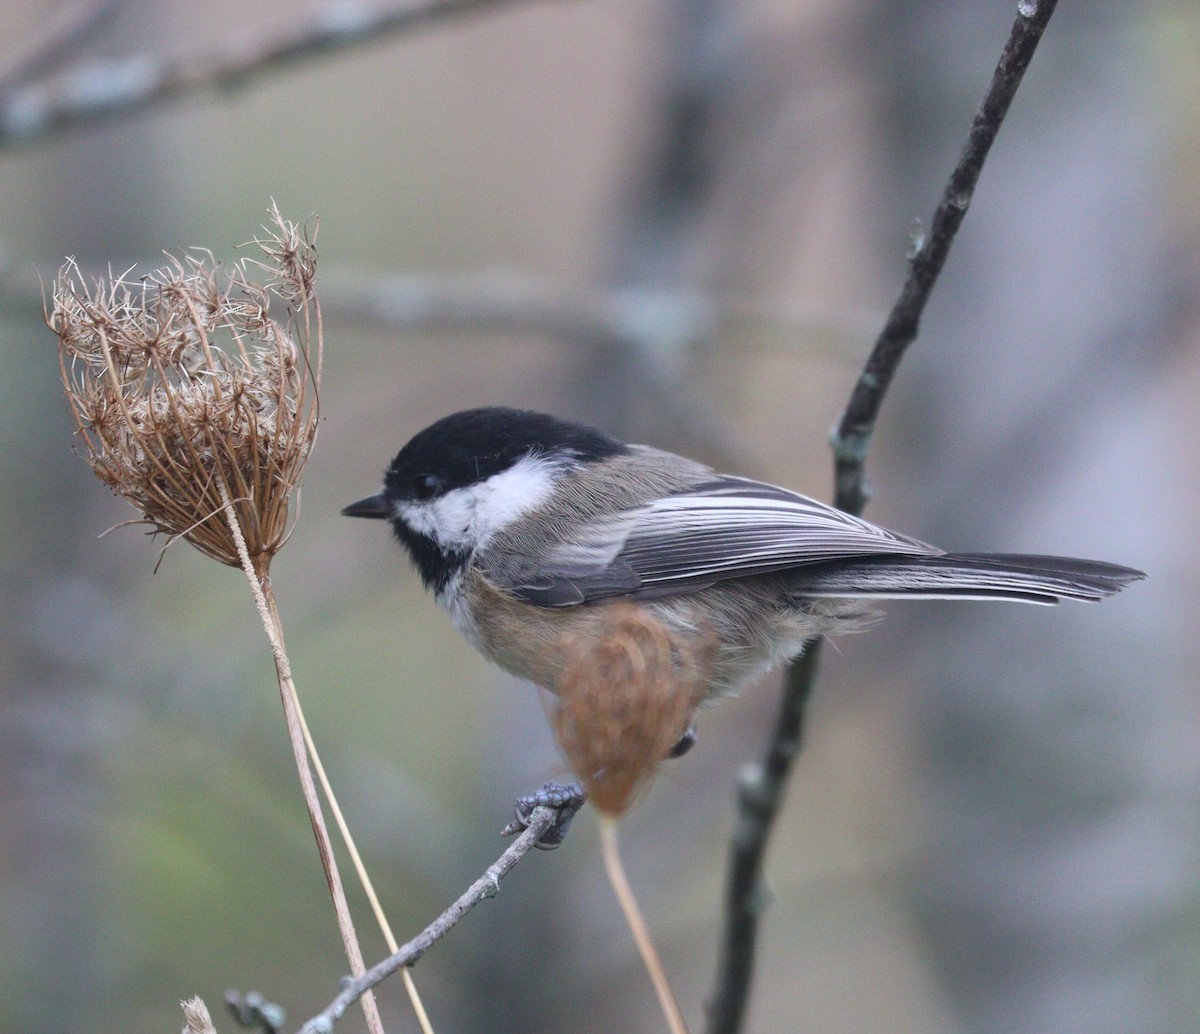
(185, 387)
(626, 698)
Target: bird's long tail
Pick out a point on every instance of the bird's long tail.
(981, 576)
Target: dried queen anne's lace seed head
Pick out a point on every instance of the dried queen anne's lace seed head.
(182, 384)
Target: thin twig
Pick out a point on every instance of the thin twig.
(96, 94)
(853, 435)
(260, 586)
(762, 786)
(637, 925)
(487, 886)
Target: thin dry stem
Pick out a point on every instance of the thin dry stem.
(260, 586)
(360, 868)
(626, 697)
(637, 925)
(264, 600)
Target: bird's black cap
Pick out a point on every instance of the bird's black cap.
(463, 449)
(470, 446)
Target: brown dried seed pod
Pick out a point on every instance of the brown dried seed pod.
(180, 384)
(625, 698)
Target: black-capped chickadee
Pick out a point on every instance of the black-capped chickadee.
(525, 526)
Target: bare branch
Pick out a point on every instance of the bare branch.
(645, 327)
(662, 319)
(487, 886)
(100, 93)
(853, 435)
(762, 785)
(760, 790)
(67, 31)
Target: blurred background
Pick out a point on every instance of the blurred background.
(684, 221)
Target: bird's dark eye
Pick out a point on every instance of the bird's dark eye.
(426, 486)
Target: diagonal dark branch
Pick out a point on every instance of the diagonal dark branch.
(33, 111)
(760, 791)
(853, 435)
(762, 785)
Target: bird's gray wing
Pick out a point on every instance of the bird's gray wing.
(725, 527)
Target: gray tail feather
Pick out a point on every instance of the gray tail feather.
(1001, 576)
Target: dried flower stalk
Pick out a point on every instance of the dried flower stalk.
(183, 380)
(197, 405)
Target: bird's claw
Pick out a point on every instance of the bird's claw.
(686, 742)
(564, 798)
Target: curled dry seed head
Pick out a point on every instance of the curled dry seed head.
(626, 697)
(196, 1017)
(181, 381)
(290, 259)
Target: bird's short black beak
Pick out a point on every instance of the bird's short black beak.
(375, 506)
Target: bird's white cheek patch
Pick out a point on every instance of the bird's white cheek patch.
(417, 516)
(466, 518)
(512, 494)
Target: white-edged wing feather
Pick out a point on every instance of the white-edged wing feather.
(725, 527)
